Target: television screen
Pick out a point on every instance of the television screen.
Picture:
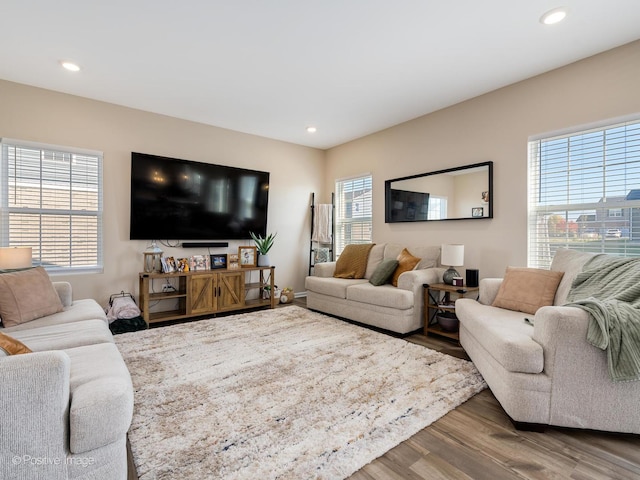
(173, 199)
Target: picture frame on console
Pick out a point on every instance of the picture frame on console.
(218, 261)
(477, 212)
(233, 261)
(248, 256)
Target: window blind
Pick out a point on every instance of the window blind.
(52, 201)
(353, 212)
(584, 193)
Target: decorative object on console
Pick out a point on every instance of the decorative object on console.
(219, 261)
(247, 256)
(152, 258)
(15, 257)
(168, 264)
(452, 256)
(233, 261)
(263, 245)
(457, 281)
(199, 262)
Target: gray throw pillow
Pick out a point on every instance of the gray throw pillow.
(383, 272)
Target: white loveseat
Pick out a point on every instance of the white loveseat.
(67, 406)
(397, 309)
(547, 373)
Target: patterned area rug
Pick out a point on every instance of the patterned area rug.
(284, 393)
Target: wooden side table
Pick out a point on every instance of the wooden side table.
(440, 298)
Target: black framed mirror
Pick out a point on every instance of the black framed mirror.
(458, 193)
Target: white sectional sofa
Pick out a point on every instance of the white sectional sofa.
(546, 373)
(66, 407)
(397, 309)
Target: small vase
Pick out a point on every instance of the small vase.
(263, 261)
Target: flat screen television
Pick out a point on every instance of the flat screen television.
(173, 199)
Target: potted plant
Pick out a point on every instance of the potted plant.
(263, 245)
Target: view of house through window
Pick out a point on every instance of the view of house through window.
(52, 202)
(584, 193)
(353, 212)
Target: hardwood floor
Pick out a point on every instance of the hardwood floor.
(478, 441)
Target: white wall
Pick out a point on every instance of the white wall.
(33, 114)
(495, 126)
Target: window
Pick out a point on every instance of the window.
(437, 208)
(584, 192)
(51, 200)
(353, 211)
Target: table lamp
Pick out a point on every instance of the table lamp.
(15, 257)
(452, 256)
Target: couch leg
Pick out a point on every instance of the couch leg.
(528, 427)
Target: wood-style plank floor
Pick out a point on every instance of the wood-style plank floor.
(477, 441)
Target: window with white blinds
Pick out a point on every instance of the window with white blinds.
(51, 200)
(353, 211)
(584, 193)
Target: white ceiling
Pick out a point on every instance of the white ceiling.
(273, 67)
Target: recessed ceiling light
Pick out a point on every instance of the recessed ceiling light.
(554, 16)
(72, 67)
(312, 129)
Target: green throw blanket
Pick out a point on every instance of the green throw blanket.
(609, 289)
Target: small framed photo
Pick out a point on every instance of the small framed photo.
(477, 212)
(233, 261)
(248, 256)
(218, 261)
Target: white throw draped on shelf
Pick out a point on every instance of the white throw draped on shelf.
(322, 221)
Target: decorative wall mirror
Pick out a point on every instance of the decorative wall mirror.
(453, 194)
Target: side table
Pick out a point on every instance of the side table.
(439, 298)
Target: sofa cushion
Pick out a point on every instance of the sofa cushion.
(376, 255)
(85, 309)
(352, 262)
(406, 262)
(527, 289)
(334, 287)
(429, 256)
(68, 335)
(503, 333)
(383, 272)
(27, 295)
(12, 346)
(570, 262)
(384, 296)
(101, 397)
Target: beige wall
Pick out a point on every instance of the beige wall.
(495, 126)
(33, 114)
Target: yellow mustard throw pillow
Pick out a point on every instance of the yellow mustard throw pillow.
(352, 262)
(406, 262)
(11, 346)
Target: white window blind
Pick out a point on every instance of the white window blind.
(584, 193)
(353, 211)
(51, 200)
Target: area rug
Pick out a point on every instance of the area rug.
(280, 394)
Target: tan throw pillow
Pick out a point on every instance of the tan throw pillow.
(352, 262)
(27, 295)
(11, 346)
(527, 289)
(406, 262)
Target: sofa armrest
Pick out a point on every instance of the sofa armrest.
(64, 292)
(489, 290)
(34, 394)
(324, 269)
(414, 281)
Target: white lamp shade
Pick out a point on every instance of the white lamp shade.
(15, 257)
(452, 255)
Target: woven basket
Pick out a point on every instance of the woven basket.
(286, 296)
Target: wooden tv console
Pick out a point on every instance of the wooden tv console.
(204, 292)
